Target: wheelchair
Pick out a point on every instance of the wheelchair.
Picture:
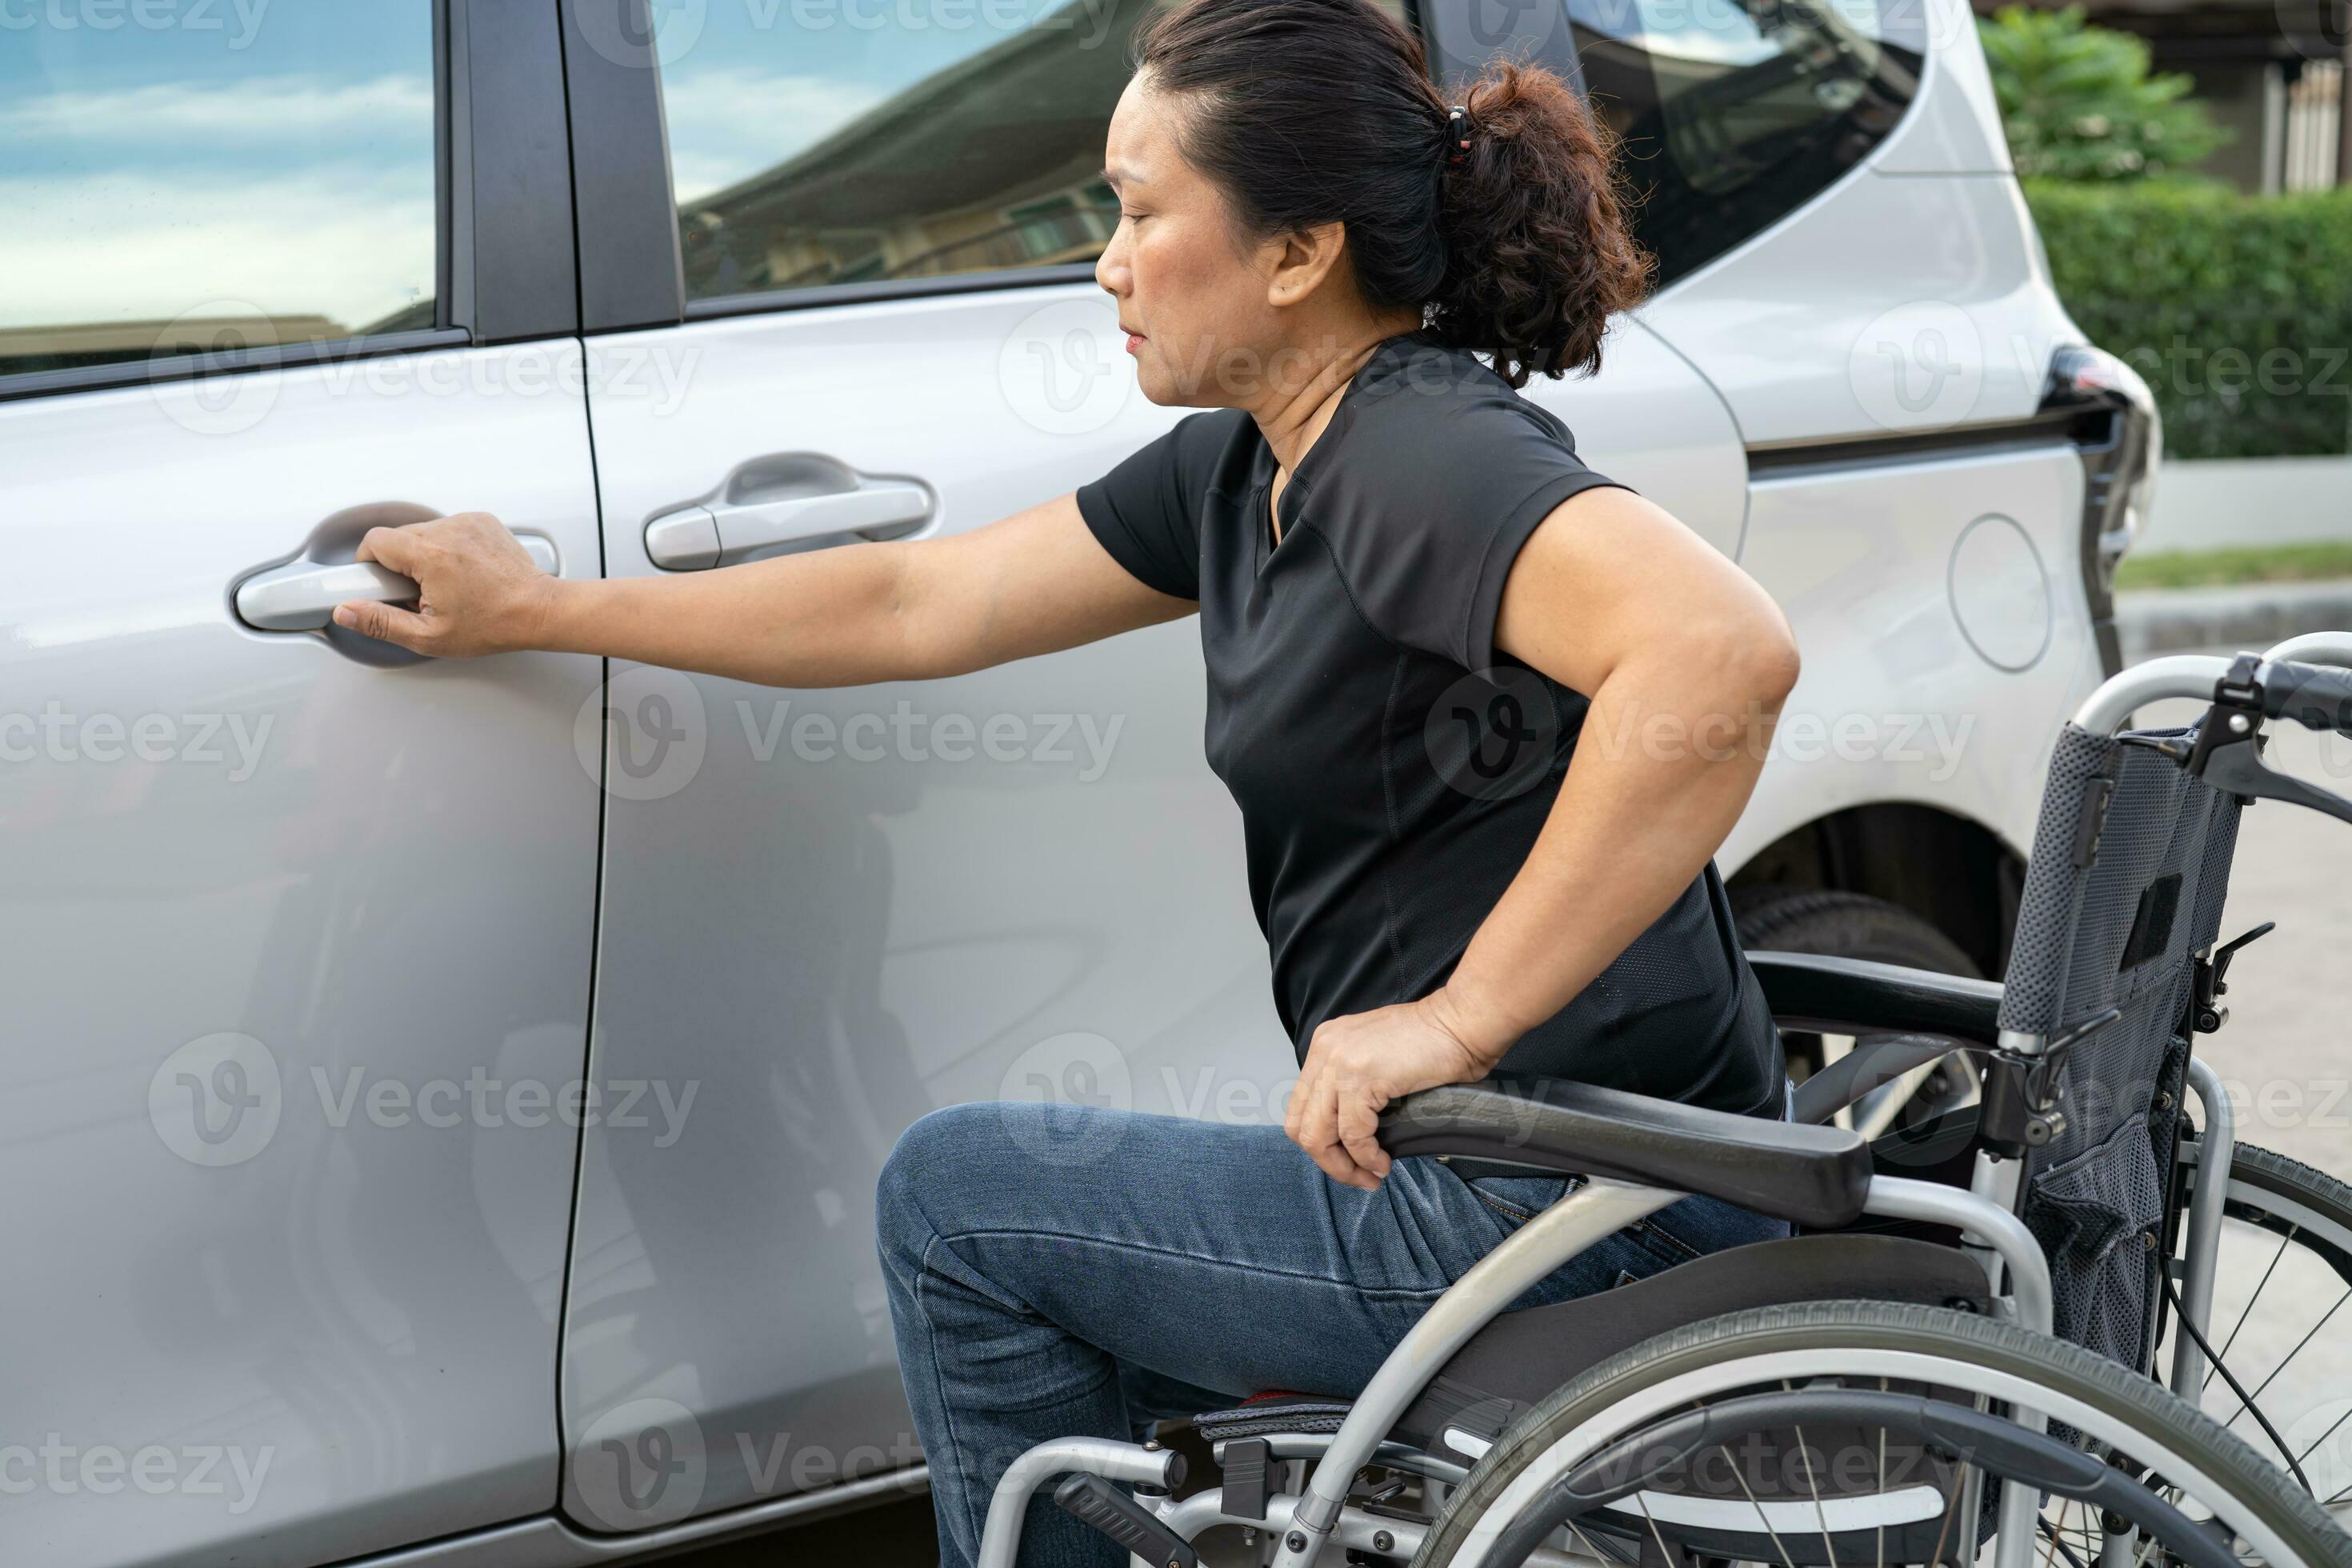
(1954, 1353)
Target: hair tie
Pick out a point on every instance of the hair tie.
(1457, 131)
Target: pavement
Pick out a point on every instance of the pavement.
(2152, 621)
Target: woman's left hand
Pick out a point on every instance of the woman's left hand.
(1357, 1064)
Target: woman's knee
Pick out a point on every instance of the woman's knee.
(921, 1164)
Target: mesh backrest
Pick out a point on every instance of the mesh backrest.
(2120, 931)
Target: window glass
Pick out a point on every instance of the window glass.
(191, 175)
(819, 141)
(1734, 112)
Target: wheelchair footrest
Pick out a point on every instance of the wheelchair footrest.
(1094, 1502)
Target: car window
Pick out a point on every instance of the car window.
(185, 176)
(832, 142)
(1735, 113)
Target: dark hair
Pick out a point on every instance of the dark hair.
(1307, 111)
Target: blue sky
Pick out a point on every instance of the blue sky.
(214, 155)
(196, 156)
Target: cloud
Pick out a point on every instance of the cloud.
(288, 113)
(350, 244)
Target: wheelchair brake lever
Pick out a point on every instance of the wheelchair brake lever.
(2235, 767)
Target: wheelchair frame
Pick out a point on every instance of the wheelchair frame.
(1985, 1216)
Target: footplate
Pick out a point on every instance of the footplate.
(1102, 1505)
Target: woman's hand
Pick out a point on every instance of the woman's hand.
(478, 591)
(1357, 1064)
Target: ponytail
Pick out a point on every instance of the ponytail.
(1539, 254)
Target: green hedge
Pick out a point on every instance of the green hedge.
(2237, 309)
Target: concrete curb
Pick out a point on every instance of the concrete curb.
(2151, 621)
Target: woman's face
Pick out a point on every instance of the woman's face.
(1193, 301)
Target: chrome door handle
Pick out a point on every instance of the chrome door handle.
(695, 538)
(301, 595)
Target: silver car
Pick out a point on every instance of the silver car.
(441, 1103)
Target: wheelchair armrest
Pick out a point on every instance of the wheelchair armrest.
(1817, 1176)
(1847, 995)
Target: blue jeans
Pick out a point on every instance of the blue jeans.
(1070, 1271)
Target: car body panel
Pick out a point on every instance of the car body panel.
(391, 889)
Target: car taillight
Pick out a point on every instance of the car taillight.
(2112, 418)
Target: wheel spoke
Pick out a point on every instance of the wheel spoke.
(1762, 1517)
(2247, 1403)
(2323, 1438)
(2221, 1354)
(1804, 1452)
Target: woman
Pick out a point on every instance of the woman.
(1404, 576)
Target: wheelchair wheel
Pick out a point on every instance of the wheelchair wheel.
(2282, 1320)
(1857, 1485)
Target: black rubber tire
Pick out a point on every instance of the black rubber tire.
(1844, 925)
(2264, 1170)
(1774, 919)
(2256, 1489)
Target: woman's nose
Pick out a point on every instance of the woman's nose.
(1111, 272)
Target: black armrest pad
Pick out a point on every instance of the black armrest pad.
(1817, 1176)
(1844, 995)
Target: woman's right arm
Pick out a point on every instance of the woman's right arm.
(1033, 582)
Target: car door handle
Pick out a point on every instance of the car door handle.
(695, 538)
(301, 595)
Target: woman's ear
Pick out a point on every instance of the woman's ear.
(1302, 260)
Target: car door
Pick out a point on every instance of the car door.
(297, 932)
(847, 274)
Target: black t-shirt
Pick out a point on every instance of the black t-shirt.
(1391, 767)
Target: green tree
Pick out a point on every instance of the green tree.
(2079, 104)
